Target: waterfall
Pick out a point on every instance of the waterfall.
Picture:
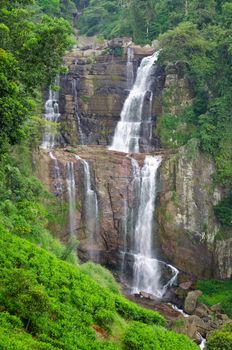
(127, 133)
(71, 197)
(138, 225)
(51, 114)
(58, 182)
(146, 274)
(76, 111)
(91, 209)
(130, 68)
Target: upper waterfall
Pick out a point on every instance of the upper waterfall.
(127, 133)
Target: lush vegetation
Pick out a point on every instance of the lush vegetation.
(221, 339)
(215, 292)
(205, 49)
(47, 303)
(32, 46)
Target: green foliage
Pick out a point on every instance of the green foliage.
(221, 339)
(223, 211)
(57, 303)
(215, 292)
(134, 312)
(140, 337)
(204, 47)
(108, 18)
(100, 275)
(31, 49)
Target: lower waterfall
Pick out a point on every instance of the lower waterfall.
(147, 269)
(146, 274)
(91, 209)
(71, 187)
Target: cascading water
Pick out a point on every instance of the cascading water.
(51, 114)
(138, 226)
(130, 67)
(146, 269)
(57, 182)
(91, 209)
(71, 187)
(127, 133)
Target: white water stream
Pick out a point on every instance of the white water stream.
(127, 132)
(51, 114)
(138, 224)
(58, 181)
(91, 208)
(71, 187)
(146, 272)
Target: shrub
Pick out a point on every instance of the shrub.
(141, 337)
(223, 211)
(105, 319)
(134, 312)
(101, 275)
(220, 340)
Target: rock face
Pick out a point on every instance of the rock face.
(111, 179)
(188, 229)
(94, 90)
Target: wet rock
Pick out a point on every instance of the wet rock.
(147, 295)
(195, 325)
(191, 301)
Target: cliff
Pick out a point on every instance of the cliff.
(91, 99)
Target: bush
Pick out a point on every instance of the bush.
(223, 211)
(131, 311)
(220, 340)
(105, 319)
(140, 337)
(101, 275)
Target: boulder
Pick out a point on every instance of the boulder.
(201, 310)
(191, 301)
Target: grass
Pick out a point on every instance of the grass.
(215, 292)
